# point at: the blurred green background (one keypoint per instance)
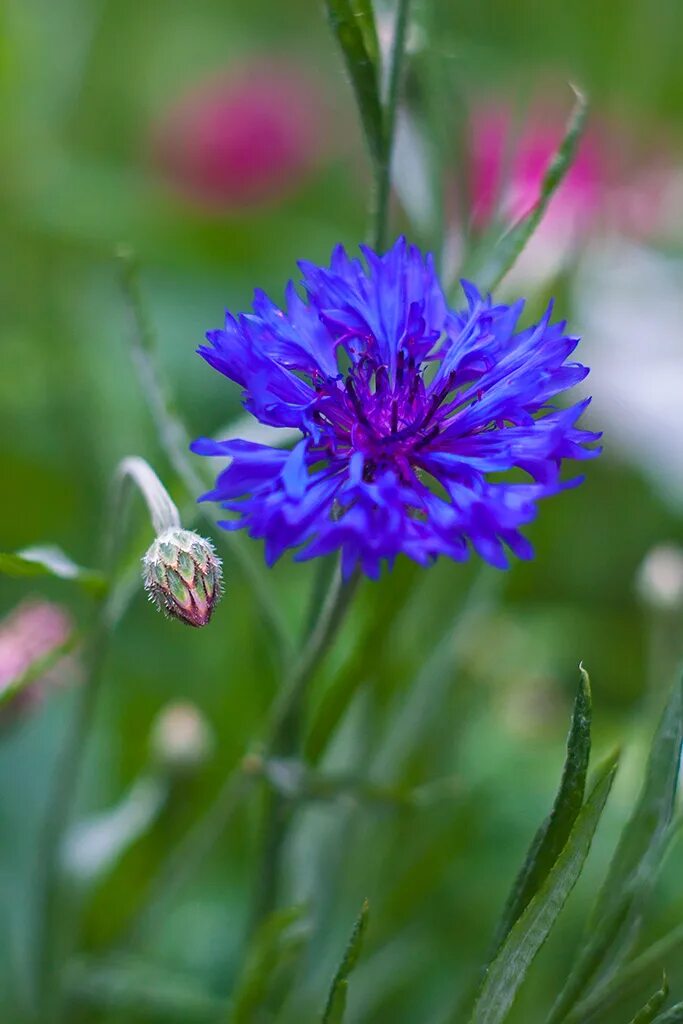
(84, 87)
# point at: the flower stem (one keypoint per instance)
(382, 166)
(175, 441)
(59, 810)
(286, 729)
(163, 513)
(189, 854)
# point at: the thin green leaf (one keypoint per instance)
(336, 1001)
(614, 922)
(508, 970)
(273, 941)
(510, 246)
(672, 1016)
(653, 1005)
(50, 561)
(349, 21)
(37, 669)
(365, 19)
(554, 832)
(631, 980)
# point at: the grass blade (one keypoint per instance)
(510, 246)
(508, 970)
(631, 980)
(336, 1001)
(353, 26)
(273, 942)
(653, 1005)
(635, 863)
(365, 19)
(554, 832)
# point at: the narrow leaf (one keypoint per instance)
(365, 19)
(631, 980)
(614, 922)
(50, 561)
(36, 670)
(554, 832)
(671, 1016)
(509, 969)
(653, 1005)
(94, 845)
(350, 21)
(510, 246)
(273, 941)
(336, 1001)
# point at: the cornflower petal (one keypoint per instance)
(408, 411)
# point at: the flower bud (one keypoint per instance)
(181, 738)
(182, 575)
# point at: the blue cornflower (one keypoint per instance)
(409, 412)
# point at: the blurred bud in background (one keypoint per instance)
(659, 581)
(181, 738)
(182, 575)
(241, 137)
(30, 635)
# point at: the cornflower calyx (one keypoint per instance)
(182, 575)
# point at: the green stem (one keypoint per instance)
(60, 806)
(286, 730)
(175, 442)
(187, 857)
(382, 165)
(163, 514)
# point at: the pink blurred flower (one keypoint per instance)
(612, 188)
(508, 168)
(30, 632)
(242, 137)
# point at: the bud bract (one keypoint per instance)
(182, 575)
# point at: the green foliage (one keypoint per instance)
(632, 979)
(672, 1016)
(653, 1005)
(336, 1001)
(275, 941)
(636, 862)
(500, 257)
(50, 561)
(554, 832)
(128, 985)
(509, 968)
(352, 22)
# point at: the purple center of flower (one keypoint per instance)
(388, 421)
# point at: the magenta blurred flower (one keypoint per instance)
(611, 188)
(242, 137)
(508, 167)
(32, 631)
